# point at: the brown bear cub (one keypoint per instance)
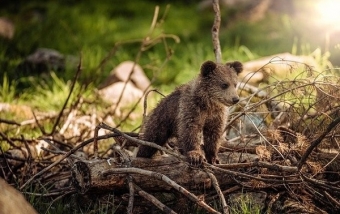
(195, 113)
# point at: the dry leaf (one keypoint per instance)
(263, 152)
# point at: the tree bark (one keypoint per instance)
(88, 175)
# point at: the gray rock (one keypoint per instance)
(112, 88)
(121, 74)
(48, 57)
(112, 93)
(41, 61)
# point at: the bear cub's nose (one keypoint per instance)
(235, 100)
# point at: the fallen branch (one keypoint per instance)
(141, 142)
(317, 141)
(9, 122)
(132, 194)
(272, 166)
(219, 192)
(153, 200)
(164, 178)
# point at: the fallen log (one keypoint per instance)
(89, 176)
(103, 175)
(168, 174)
(281, 65)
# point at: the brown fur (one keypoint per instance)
(195, 113)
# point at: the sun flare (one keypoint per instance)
(329, 11)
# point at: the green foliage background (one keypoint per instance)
(91, 28)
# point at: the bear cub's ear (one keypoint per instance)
(238, 67)
(207, 68)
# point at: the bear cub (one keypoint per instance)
(195, 114)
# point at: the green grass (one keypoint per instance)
(75, 203)
(244, 204)
(7, 90)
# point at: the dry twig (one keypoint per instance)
(74, 81)
(153, 200)
(164, 178)
(317, 141)
(140, 142)
(219, 192)
(215, 31)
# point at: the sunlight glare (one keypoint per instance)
(329, 12)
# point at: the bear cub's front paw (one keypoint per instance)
(213, 160)
(195, 158)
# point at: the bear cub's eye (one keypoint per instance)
(224, 85)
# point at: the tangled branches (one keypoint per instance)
(281, 140)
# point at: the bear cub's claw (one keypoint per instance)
(195, 158)
(213, 160)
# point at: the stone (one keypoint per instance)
(112, 93)
(7, 28)
(41, 61)
(122, 72)
(12, 201)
